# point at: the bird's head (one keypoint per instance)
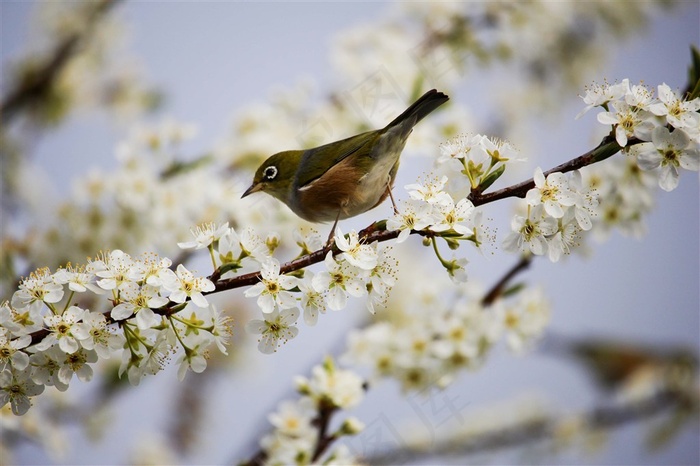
(275, 176)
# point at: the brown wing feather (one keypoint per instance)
(323, 198)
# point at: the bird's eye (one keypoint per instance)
(270, 173)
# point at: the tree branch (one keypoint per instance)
(534, 430)
(497, 290)
(607, 148)
(325, 413)
(35, 86)
(377, 231)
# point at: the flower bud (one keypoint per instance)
(351, 426)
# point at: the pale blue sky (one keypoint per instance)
(214, 57)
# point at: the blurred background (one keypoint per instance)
(254, 78)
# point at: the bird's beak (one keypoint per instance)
(254, 188)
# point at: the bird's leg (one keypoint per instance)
(331, 239)
(391, 196)
(389, 182)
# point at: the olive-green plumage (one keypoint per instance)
(344, 178)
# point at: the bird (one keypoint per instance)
(345, 178)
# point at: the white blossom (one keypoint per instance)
(598, 95)
(552, 192)
(454, 217)
(340, 279)
(412, 216)
(667, 152)
(205, 235)
(312, 302)
(186, 285)
(193, 359)
(343, 388)
(432, 191)
(39, 287)
(529, 233)
(16, 388)
(525, 321)
(358, 254)
(95, 335)
(679, 113)
(139, 300)
(113, 270)
(61, 328)
(277, 327)
(76, 363)
(628, 122)
(11, 355)
(272, 290)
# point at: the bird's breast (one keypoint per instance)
(346, 189)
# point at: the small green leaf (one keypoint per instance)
(491, 178)
(452, 243)
(694, 73)
(663, 433)
(178, 168)
(513, 290)
(228, 267)
(379, 225)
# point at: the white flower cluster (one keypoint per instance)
(669, 124)
(46, 338)
(423, 349)
(104, 74)
(625, 194)
(431, 207)
(558, 209)
(480, 158)
(147, 201)
(295, 437)
(360, 271)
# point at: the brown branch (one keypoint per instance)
(35, 86)
(323, 441)
(325, 413)
(368, 235)
(497, 290)
(535, 430)
(377, 231)
(607, 148)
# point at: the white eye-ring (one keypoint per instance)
(270, 173)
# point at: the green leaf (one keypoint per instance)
(513, 290)
(228, 267)
(379, 225)
(179, 168)
(662, 434)
(491, 178)
(694, 73)
(451, 243)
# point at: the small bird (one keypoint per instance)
(345, 178)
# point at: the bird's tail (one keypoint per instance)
(421, 107)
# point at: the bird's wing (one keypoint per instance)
(315, 162)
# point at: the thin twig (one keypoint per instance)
(377, 231)
(534, 430)
(324, 441)
(497, 290)
(325, 412)
(607, 148)
(35, 86)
